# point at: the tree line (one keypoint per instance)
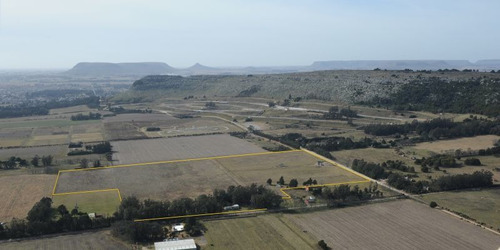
(438, 128)
(406, 183)
(45, 219)
(37, 161)
(100, 148)
(82, 117)
(32, 108)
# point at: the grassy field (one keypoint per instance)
(104, 203)
(85, 240)
(393, 225)
(482, 205)
(19, 193)
(473, 143)
(377, 155)
(262, 232)
(180, 148)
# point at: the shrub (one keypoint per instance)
(433, 204)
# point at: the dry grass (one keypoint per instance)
(482, 205)
(180, 148)
(103, 203)
(74, 109)
(164, 181)
(81, 240)
(369, 154)
(262, 232)
(473, 143)
(394, 225)
(299, 165)
(19, 193)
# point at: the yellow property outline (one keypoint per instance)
(286, 195)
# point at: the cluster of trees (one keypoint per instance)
(437, 128)
(475, 95)
(13, 162)
(490, 151)
(122, 110)
(248, 92)
(437, 161)
(344, 194)
(82, 117)
(334, 113)
(37, 161)
(45, 219)
(369, 169)
(472, 162)
(398, 165)
(253, 196)
(100, 148)
(151, 129)
(323, 146)
(43, 108)
(210, 105)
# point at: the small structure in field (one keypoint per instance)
(310, 199)
(320, 164)
(232, 208)
(179, 227)
(188, 244)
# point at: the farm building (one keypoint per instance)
(188, 244)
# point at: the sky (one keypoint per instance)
(46, 34)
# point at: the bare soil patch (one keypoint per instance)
(394, 225)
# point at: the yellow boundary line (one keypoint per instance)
(286, 195)
(200, 215)
(182, 160)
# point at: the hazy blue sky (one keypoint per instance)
(60, 33)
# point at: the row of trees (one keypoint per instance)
(334, 113)
(45, 219)
(253, 196)
(100, 148)
(343, 194)
(437, 161)
(477, 179)
(37, 161)
(437, 128)
(82, 117)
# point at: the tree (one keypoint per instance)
(271, 104)
(322, 244)
(293, 183)
(281, 181)
(47, 160)
(472, 162)
(97, 163)
(269, 181)
(35, 161)
(193, 227)
(41, 211)
(210, 105)
(433, 204)
(84, 163)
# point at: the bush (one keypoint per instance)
(472, 162)
(433, 204)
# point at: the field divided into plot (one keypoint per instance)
(136, 151)
(192, 177)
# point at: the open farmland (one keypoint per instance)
(394, 225)
(262, 232)
(194, 177)
(473, 143)
(163, 181)
(180, 148)
(103, 203)
(481, 205)
(298, 165)
(19, 193)
(82, 240)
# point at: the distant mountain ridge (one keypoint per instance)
(159, 68)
